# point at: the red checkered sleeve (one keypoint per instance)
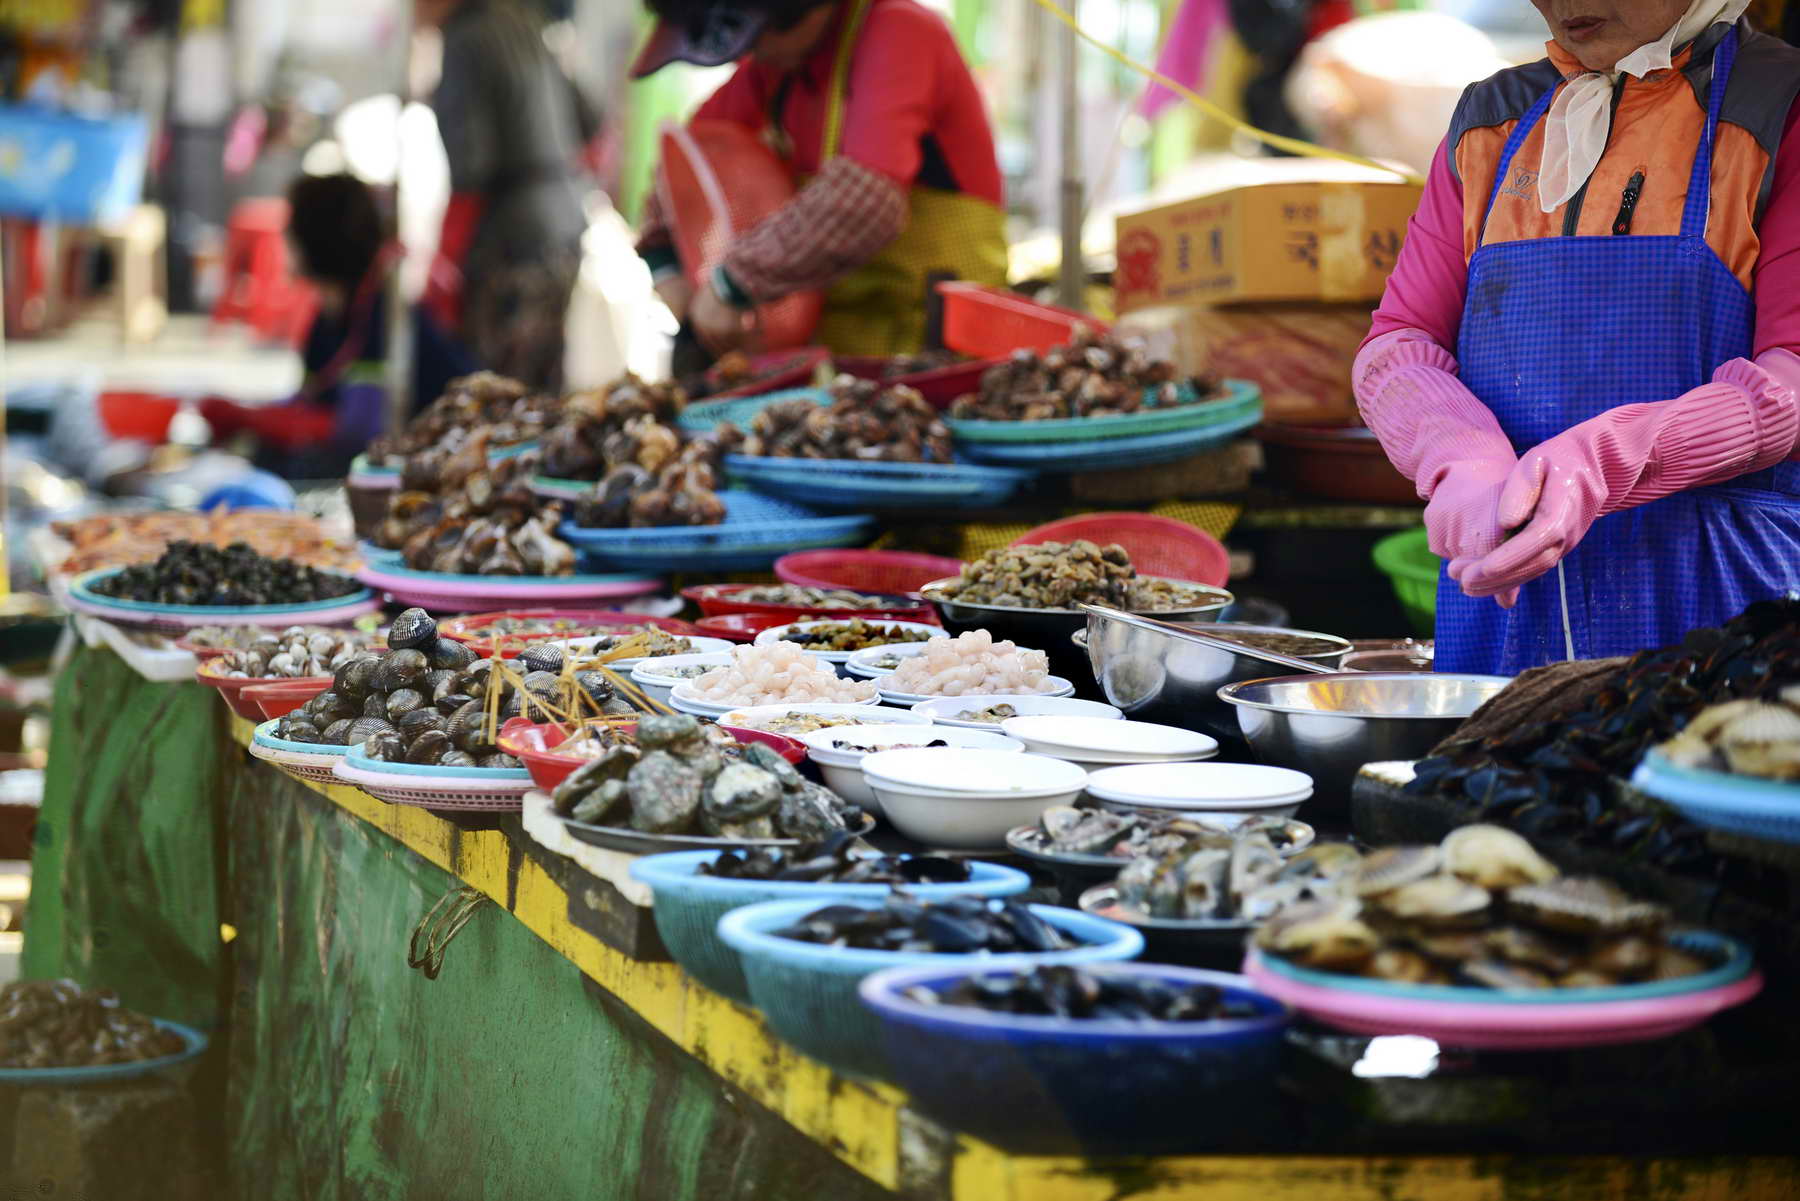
(839, 221)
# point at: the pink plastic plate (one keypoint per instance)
(436, 792)
(1499, 1026)
(460, 593)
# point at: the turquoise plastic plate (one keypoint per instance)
(707, 415)
(357, 759)
(1746, 805)
(82, 588)
(195, 1045)
(265, 736)
(1189, 412)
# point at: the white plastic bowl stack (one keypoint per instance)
(1202, 788)
(842, 768)
(652, 676)
(1097, 742)
(967, 798)
(948, 710)
(839, 659)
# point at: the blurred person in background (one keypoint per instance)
(338, 236)
(514, 127)
(874, 109)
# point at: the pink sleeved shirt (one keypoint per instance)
(1426, 290)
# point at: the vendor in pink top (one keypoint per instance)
(1588, 356)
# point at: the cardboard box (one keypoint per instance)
(1298, 352)
(1266, 229)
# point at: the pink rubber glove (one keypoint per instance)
(1438, 435)
(1743, 421)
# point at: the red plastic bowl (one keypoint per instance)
(990, 322)
(715, 600)
(143, 416)
(534, 744)
(739, 627)
(941, 385)
(282, 697)
(200, 652)
(896, 572)
(461, 629)
(233, 690)
(1159, 546)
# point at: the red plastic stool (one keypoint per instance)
(260, 289)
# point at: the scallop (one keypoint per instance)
(1392, 867)
(1494, 857)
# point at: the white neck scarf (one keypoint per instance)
(1580, 120)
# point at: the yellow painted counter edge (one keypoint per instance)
(860, 1123)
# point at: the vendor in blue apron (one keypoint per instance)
(1588, 355)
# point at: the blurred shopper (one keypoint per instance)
(337, 231)
(513, 127)
(871, 104)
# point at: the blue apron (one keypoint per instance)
(1558, 330)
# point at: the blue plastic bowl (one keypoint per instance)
(689, 906)
(1047, 1086)
(807, 991)
(194, 1044)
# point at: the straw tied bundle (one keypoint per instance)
(572, 705)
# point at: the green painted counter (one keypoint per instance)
(544, 1061)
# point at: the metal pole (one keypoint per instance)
(1072, 279)
(397, 372)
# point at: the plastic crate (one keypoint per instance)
(1406, 559)
(892, 572)
(1159, 546)
(990, 323)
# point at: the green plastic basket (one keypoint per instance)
(1406, 559)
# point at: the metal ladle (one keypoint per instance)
(1194, 635)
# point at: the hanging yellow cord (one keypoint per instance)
(1291, 145)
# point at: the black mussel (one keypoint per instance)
(958, 925)
(387, 748)
(455, 758)
(399, 669)
(402, 702)
(542, 657)
(355, 677)
(413, 724)
(448, 655)
(365, 728)
(412, 630)
(932, 869)
(338, 731)
(450, 702)
(1034, 933)
(429, 747)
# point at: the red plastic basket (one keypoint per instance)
(988, 322)
(534, 745)
(1159, 546)
(740, 627)
(941, 385)
(894, 572)
(143, 416)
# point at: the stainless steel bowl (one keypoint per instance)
(1328, 726)
(1155, 675)
(1049, 629)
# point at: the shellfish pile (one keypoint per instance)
(1209, 875)
(1747, 738)
(676, 779)
(956, 926)
(430, 701)
(1481, 909)
(56, 1024)
(831, 861)
(292, 653)
(865, 420)
(485, 521)
(625, 422)
(1064, 991)
(1095, 375)
(505, 409)
(1069, 830)
(853, 635)
(1551, 777)
(1060, 575)
(193, 573)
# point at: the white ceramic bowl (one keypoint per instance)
(651, 674)
(1103, 740)
(702, 646)
(779, 633)
(842, 769)
(967, 798)
(948, 710)
(752, 717)
(1202, 788)
(1061, 688)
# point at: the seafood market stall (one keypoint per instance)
(532, 841)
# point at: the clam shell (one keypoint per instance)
(429, 747)
(412, 630)
(1436, 899)
(447, 654)
(399, 669)
(1584, 905)
(1494, 857)
(539, 657)
(365, 728)
(1392, 867)
(411, 725)
(402, 702)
